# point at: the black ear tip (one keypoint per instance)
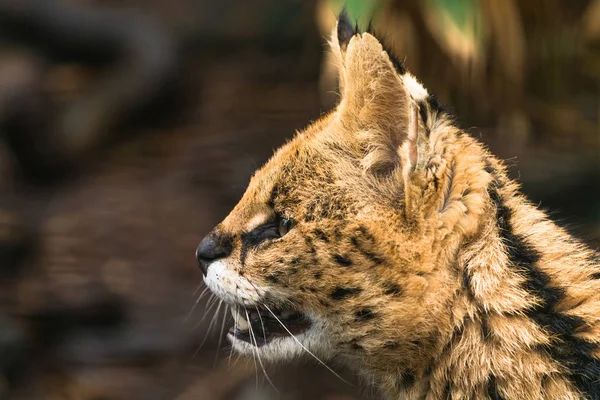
(345, 28)
(370, 28)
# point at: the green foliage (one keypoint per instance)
(361, 11)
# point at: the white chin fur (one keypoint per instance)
(285, 348)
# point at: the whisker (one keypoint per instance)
(204, 292)
(225, 310)
(261, 323)
(206, 312)
(198, 288)
(253, 336)
(253, 350)
(212, 321)
(235, 321)
(235, 362)
(196, 303)
(305, 349)
(215, 317)
(211, 300)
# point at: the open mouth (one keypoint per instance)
(260, 326)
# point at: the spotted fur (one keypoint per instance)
(418, 260)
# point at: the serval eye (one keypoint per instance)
(284, 226)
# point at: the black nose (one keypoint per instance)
(211, 248)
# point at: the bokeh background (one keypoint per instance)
(129, 128)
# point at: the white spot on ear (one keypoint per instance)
(224, 280)
(257, 220)
(416, 90)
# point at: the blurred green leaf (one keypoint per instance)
(461, 12)
(361, 11)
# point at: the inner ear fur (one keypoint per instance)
(375, 105)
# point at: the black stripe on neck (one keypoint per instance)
(570, 351)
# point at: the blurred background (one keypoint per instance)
(129, 128)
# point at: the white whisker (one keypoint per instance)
(305, 349)
(196, 303)
(207, 310)
(225, 310)
(234, 362)
(211, 300)
(261, 323)
(198, 288)
(215, 317)
(235, 322)
(253, 336)
(212, 321)
(253, 350)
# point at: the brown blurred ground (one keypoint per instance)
(98, 285)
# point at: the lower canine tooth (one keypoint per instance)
(243, 324)
(240, 321)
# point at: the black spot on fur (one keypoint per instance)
(309, 244)
(318, 275)
(276, 192)
(572, 352)
(392, 289)
(359, 245)
(319, 234)
(447, 393)
(428, 370)
(436, 180)
(596, 275)
(369, 255)
(433, 102)
(489, 168)
(435, 106)
(272, 278)
(467, 284)
(486, 334)
(366, 314)
(408, 378)
(492, 389)
(342, 260)
(423, 112)
(355, 345)
(341, 293)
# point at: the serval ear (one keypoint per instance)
(378, 106)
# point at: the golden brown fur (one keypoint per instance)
(428, 271)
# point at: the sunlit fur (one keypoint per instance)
(420, 262)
